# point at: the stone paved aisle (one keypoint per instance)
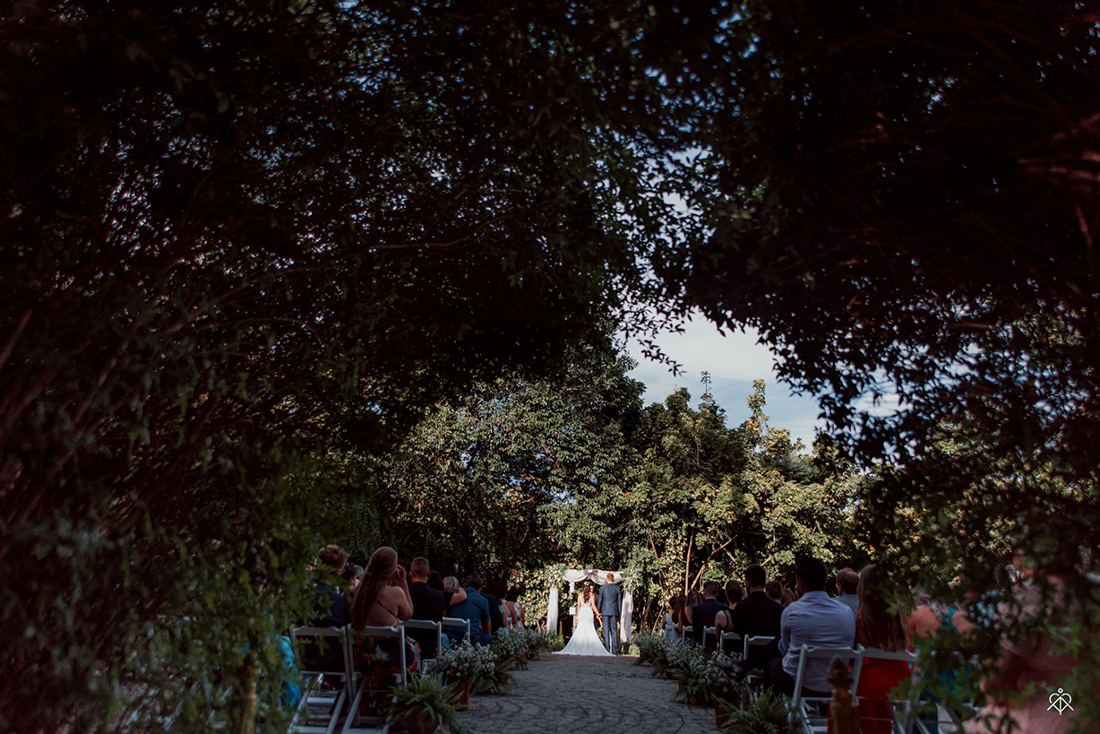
(580, 695)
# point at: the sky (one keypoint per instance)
(733, 361)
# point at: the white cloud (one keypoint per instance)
(733, 361)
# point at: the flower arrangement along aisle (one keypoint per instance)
(424, 706)
(472, 668)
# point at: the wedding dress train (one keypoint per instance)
(585, 641)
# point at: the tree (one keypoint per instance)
(904, 201)
(237, 232)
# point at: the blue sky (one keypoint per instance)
(733, 361)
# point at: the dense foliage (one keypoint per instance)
(233, 232)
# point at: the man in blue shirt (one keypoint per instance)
(475, 610)
(814, 620)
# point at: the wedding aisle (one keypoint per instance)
(582, 694)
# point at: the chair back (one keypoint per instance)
(427, 624)
(754, 643)
(708, 632)
(909, 705)
(731, 641)
(853, 657)
(319, 710)
(457, 622)
(397, 633)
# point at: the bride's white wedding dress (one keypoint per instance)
(585, 641)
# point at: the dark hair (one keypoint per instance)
(756, 576)
(333, 555)
(774, 589)
(847, 580)
(734, 591)
(435, 581)
(812, 572)
(351, 572)
(876, 626)
(721, 598)
(474, 581)
(512, 595)
(710, 588)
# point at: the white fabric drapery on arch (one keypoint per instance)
(575, 576)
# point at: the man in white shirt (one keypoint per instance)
(814, 620)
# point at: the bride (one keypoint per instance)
(585, 641)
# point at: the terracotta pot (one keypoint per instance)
(461, 698)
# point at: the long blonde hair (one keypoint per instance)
(379, 571)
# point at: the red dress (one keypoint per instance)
(876, 681)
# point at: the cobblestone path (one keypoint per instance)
(581, 695)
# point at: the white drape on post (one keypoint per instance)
(552, 612)
(624, 623)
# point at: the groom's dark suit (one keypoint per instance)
(610, 605)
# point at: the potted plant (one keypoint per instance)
(766, 712)
(423, 706)
(459, 666)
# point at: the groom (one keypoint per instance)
(610, 605)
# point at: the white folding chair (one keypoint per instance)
(375, 724)
(453, 622)
(708, 632)
(426, 624)
(806, 715)
(907, 708)
(731, 641)
(320, 708)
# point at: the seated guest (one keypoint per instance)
(382, 600)
(734, 593)
(673, 616)
(814, 620)
(758, 614)
(330, 609)
(848, 581)
(519, 617)
(702, 615)
(496, 618)
(774, 590)
(789, 597)
(694, 599)
(352, 575)
(427, 604)
(878, 627)
(475, 610)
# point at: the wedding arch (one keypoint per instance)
(576, 576)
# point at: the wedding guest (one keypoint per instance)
(789, 597)
(758, 614)
(496, 619)
(330, 605)
(382, 600)
(848, 581)
(929, 622)
(734, 593)
(673, 625)
(475, 610)
(519, 617)
(703, 614)
(774, 590)
(330, 608)
(427, 604)
(878, 627)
